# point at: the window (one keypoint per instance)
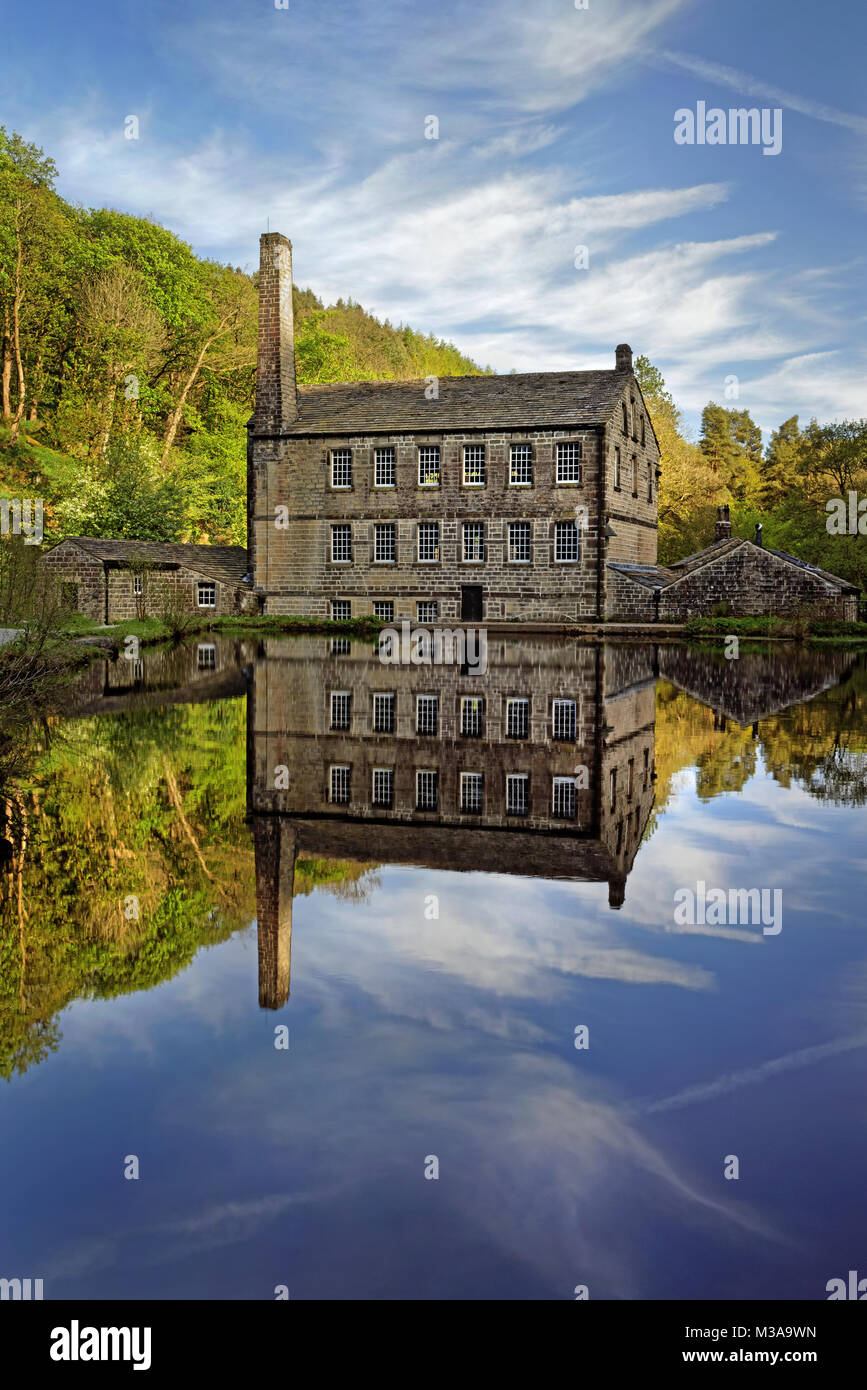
(472, 709)
(383, 786)
(428, 611)
(517, 794)
(569, 463)
(471, 791)
(427, 714)
(650, 482)
(625, 418)
(207, 594)
(634, 475)
(340, 785)
(137, 585)
(521, 465)
(340, 703)
(383, 468)
(384, 610)
(429, 465)
(646, 773)
(565, 719)
(383, 713)
(206, 656)
(517, 718)
(612, 786)
(630, 778)
(428, 541)
(566, 542)
(643, 430)
(340, 646)
(618, 477)
(474, 541)
(474, 465)
(564, 798)
(341, 610)
(341, 468)
(341, 544)
(632, 418)
(426, 790)
(519, 542)
(138, 670)
(384, 543)
(68, 596)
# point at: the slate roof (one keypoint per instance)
(528, 400)
(659, 576)
(226, 563)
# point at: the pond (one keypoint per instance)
(337, 980)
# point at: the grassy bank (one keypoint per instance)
(836, 633)
(154, 630)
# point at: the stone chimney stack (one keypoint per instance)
(623, 358)
(276, 392)
(758, 533)
(723, 528)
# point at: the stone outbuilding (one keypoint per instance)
(746, 576)
(115, 580)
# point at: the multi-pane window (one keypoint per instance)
(429, 465)
(383, 468)
(472, 710)
(340, 706)
(426, 790)
(383, 786)
(384, 610)
(474, 541)
(206, 656)
(474, 465)
(618, 476)
(569, 462)
(565, 719)
(517, 794)
(341, 468)
(428, 541)
(137, 585)
(519, 542)
(564, 797)
(383, 713)
(341, 610)
(634, 475)
(341, 544)
(340, 785)
(471, 791)
(207, 594)
(427, 714)
(521, 465)
(517, 718)
(427, 611)
(566, 541)
(385, 543)
(340, 646)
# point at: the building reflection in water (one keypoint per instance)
(543, 767)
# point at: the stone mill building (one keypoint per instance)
(474, 498)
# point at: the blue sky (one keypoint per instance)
(556, 130)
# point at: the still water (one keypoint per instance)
(288, 932)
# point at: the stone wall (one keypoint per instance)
(752, 581)
(164, 588)
(71, 565)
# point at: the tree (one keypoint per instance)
(780, 472)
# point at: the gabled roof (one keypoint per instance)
(226, 563)
(660, 576)
(528, 400)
